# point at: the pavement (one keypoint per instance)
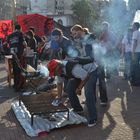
(120, 120)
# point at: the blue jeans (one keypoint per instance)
(90, 94)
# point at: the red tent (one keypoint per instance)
(43, 25)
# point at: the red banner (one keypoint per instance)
(5, 28)
(37, 21)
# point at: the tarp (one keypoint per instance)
(43, 25)
(5, 28)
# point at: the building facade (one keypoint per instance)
(59, 10)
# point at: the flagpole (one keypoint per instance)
(14, 12)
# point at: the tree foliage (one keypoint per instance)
(83, 12)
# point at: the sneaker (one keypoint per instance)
(103, 103)
(56, 102)
(92, 123)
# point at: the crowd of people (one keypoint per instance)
(78, 62)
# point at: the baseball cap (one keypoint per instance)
(52, 64)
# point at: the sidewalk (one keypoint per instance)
(118, 121)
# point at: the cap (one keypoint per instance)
(52, 64)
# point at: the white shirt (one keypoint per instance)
(128, 46)
(136, 36)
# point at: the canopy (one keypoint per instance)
(43, 25)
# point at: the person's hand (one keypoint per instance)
(78, 91)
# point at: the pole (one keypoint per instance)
(14, 12)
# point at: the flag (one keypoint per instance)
(34, 20)
(5, 28)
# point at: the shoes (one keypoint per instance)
(92, 123)
(103, 103)
(56, 102)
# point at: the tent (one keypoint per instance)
(43, 25)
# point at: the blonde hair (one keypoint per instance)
(77, 27)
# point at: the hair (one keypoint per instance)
(30, 33)
(77, 27)
(86, 30)
(137, 25)
(105, 23)
(32, 29)
(17, 27)
(57, 31)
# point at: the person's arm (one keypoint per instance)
(122, 50)
(81, 85)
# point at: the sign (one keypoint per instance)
(5, 28)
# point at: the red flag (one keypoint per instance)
(34, 20)
(5, 28)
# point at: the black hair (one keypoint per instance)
(57, 31)
(137, 25)
(17, 27)
(32, 29)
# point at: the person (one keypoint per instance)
(107, 40)
(37, 37)
(126, 52)
(48, 27)
(79, 75)
(17, 46)
(1, 49)
(32, 44)
(87, 40)
(61, 48)
(135, 78)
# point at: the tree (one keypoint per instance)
(83, 12)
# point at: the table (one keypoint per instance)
(9, 68)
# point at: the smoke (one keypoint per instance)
(118, 15)
(72, 51)
(101, 56)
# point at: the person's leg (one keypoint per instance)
(102, 85)
(70, 89)
(90, 94)
(59, 89)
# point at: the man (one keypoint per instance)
(17, 46)
(79, 76)
(87, 41)
(61, 48)
(107, 40)
(135, 79)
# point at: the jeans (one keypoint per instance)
(127, 59)
(102, 84)
(135, 69)
(90, 94)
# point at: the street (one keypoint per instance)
(118, 121)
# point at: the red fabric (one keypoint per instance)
(35, 20)
(5, 28)
(52, 66)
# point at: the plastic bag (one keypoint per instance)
(43, 70)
